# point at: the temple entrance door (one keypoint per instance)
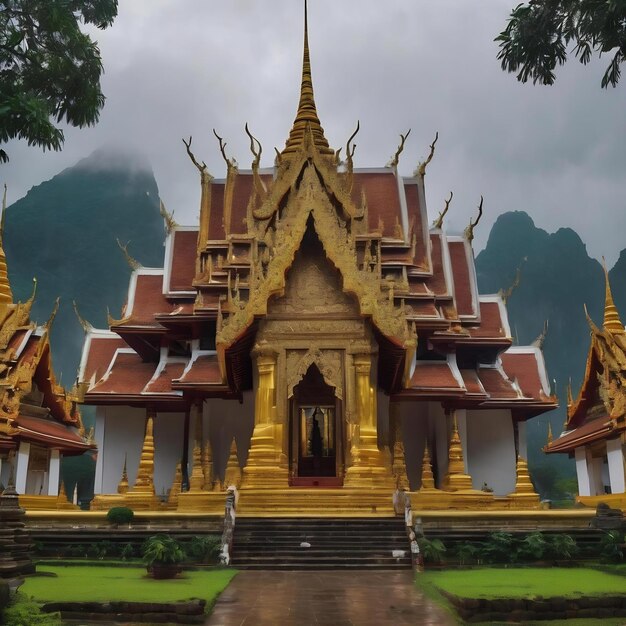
(315, 432)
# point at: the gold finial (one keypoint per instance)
(421, 168)
(541, 338)
(550, 437)
(133, 263)
(505, 294)
(81, 320)
(612, 321)
(438, 223)
(6, 295)
(396, 157)
(469, 231)
(570, 397)
(168, 218)
(523, 482)
(53, 314)
(255, 147)
(306, 115)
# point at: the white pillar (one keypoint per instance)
(582, 472)
(54, 472)
(522, 444)
(595, 474)
(99, 436)
(615, 459)
(461, 422)
(21, 471)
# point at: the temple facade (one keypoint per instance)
(595, 430)
(39, 420)
(315, 341)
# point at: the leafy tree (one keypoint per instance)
(49, 69)
(539, 34)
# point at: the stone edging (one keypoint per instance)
(191, 612)
(524, 610)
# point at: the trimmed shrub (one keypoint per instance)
(120, 515)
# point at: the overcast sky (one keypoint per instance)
(174, 69)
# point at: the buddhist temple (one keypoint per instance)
(39, 421)
(595, 430)
(317, 343)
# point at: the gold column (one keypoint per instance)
(398, 468)
(524, 495)
(142, 496)
(263, 469)
(456, 478)
(368, 465)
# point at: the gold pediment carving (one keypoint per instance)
(328, 362)
(311, 199)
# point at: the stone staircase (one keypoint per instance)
(377, 543)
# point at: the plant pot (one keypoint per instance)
(161, 571)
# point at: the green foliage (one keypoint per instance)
(127, 551)
(532, 548)
(204, 549)
(499, 548)
(24, 611)
(120, 515)
(49, 69)
(562, 547)
(612, 546)
(433, 550)
(162, 549)
(467, 552)
(539, 33)
(77, 550)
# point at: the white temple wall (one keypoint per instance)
(582, 471)
(223, 420)
(169, 429)
(414, 423)
(615, 460)
(5, 472)
(124, 429)
(490, 451)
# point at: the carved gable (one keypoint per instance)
(312, 286)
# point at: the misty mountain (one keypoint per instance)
(63, 232)
(557, 279)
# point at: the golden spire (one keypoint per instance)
(550, 436)
(232, 475)
(306, 117)
(6, 295)
(122, 486)
(457, 478)
(428, 482)
(145, 473)
(612, 321)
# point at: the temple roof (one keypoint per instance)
(599, 411)
(33, 407)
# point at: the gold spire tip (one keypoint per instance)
(612, 321)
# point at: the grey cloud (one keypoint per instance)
(175, 69)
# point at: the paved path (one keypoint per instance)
(346, 598)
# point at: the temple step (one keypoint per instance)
(270, 543)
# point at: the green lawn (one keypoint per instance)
(524, 582)
(104, 584)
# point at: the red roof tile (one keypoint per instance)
(593, 430)
(496, 385)
(216, 219)
(462, 278)
(525, 369)
(472, 382)
(433, 375)
(148, 300)
(163, 382)
(101, 351)
(383, 199)
(204, 370)
(437, 283)
(16, 340)
(491, 325)
(415, 216)
(50, 433)
(183, 260)
(129, 375)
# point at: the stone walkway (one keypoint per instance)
(347, 598)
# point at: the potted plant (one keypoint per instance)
(163, 556)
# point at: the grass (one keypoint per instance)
(130, 584)
(525, 582)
